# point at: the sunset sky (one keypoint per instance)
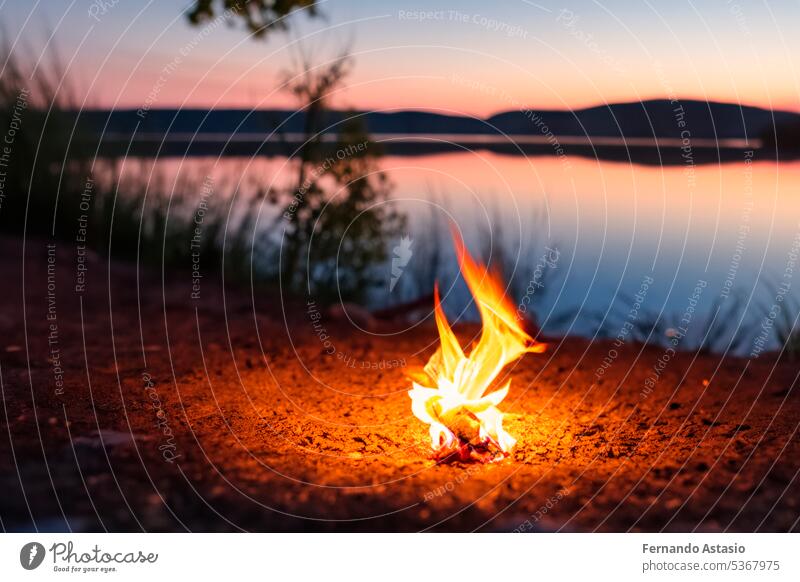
(468, 57)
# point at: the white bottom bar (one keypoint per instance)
(349, 557)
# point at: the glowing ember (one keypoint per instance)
(465, 422)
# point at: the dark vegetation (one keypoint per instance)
(259, 16)
(334, 220)
(324, 233)
(724, 327)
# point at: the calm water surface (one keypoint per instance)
(728, 229)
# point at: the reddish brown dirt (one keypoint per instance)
(271, 433)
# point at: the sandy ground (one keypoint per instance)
(206, 414)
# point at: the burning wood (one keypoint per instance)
(450, 396)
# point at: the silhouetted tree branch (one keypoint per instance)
(260, 16)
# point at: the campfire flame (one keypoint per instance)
(450, 396)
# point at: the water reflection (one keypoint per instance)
(729, 227)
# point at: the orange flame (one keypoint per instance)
(462, 419)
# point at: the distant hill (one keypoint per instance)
(648, 132)
(647, 119)
(659, 118)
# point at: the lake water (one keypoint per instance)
(677, 240)
(727, 230)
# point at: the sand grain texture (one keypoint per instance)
(272, 433)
